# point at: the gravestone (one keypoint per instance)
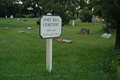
(6, 28)
(21, 31)
(5, 16)
(11, 17)
(105, 35)
(85, 31)
(102, 20)
(94, 19)
(73, 23)
(29, 28)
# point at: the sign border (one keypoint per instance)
(40, 27)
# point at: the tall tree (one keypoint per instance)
(9, 7)
(110, 11)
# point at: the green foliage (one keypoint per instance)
(73, 17)
(46, 5)
(72, 10)
(8, 8)
(110, 13)
(111, 62)
(86, 15)
(59, 10)
(106, 27)
(29, 16)
(58, 7)
(66, 18)
(38, 22)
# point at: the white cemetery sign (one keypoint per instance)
(50, 26)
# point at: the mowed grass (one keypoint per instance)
(23, 55)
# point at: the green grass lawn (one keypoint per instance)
(23, 55)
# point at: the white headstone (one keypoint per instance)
(29, 28)
(21, 31)
(6, 28)
(73, 23)
(102, 20)
(11, 17)
(105, 35)
(5, 16)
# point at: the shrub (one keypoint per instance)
(111, 62)
(86, 15)
(30, 16)
(38, 22)
(18, 15)
(65, 19)
(73, 17)
(60, 10)
(106, 27)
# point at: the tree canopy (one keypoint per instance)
(9, 7)
(110, 11)
(65, 8)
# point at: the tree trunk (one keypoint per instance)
(117, 42)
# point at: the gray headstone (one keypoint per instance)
(29, 28)
(94, 20)
(85, 31)
(105, 35)
(5, 16)
(11, 17)
(6, 28)
(21, 31)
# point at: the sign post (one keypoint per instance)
(49, 55)
(50, 27)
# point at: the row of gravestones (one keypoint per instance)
(29, 28)
(94, 21)
(11, 17)
(87, 31)
(83, 30)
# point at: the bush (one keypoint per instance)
(106, 28)
(60, 10)
(18, 15)
(111, 62)
(38, 22)
(30, 16)
(25, 15)
(86, 15)
(65, 19)
(73, 17)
